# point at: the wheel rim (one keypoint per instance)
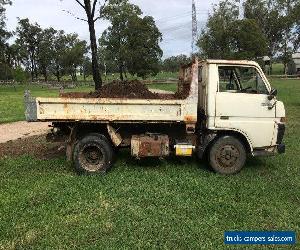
(92, 158)
(228, 156)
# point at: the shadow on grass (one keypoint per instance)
(154, 162)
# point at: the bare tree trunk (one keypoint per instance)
(32, 70)
(121, 72)
(45, 74)
(58, 75)
(95, 63)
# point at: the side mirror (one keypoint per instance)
(272, 94)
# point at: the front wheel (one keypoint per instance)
(227, 155)
(93, 154)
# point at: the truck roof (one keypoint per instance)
(233, 62)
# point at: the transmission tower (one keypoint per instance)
(194, 28)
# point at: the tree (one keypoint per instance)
(90, 8)
(248, 41)
(143, 53)
(4, 36)
(45, 50)
(74, 54)
(132, 41)
(172, 64)
(107, 59)
(287, 10)
(228, 36)
(28, 38)
(68, 54)
(296, 34)
(59, 50)
(87, 67)
(114, 39)
(277, 21)
(216, 40)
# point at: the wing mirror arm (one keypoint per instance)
(272, 94)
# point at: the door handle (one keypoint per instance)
(224, 117)
(269, 105)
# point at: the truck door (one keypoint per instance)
(242, 104)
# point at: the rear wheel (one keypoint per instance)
(227, 155)
(93, 154)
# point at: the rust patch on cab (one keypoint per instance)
(190, 119)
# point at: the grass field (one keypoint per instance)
(173, 203)
(278, 69)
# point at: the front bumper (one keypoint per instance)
(281, 148)
(273, 150)
(269, 151)
(280, 133)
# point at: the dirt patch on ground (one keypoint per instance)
(17, 130)
(128, 90)
(36, 146)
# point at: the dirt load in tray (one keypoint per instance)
(127, 90)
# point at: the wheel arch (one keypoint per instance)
(79, 130)
(239, 135)
(210, 138)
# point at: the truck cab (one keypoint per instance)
(239, 102)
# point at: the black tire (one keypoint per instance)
(93, 154)
(227, 155)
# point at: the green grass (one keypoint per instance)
(168, 87)
(12, 101)
(277, 69)
(171, 204)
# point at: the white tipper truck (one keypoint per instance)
(231, 112)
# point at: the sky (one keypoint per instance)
(173, 17)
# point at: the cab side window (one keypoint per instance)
(241, 80)
(227, 80)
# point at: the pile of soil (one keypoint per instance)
(183, 91)
(129, 90)
(36, 146)
(117, 89)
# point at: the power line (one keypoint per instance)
(175, 27)
(186, 35)
(184, 14)
(186, 32)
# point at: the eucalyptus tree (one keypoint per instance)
(28, 39)
(131, 41)
(45, 54)
(92, 11)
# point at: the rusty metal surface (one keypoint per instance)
(150, 145)
(114, 136)
(30, 107)
(124, 110)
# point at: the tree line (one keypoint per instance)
(262, 28)
(129, 45)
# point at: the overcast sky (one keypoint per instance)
(173, 18)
